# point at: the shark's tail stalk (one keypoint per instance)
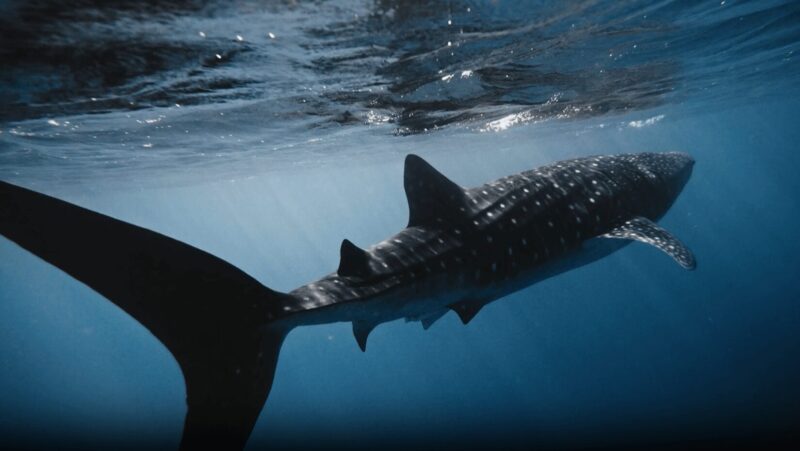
(218, 322)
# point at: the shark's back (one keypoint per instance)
(481, 242)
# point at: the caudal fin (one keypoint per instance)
(216, 320)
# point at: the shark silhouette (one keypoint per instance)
(462, 249)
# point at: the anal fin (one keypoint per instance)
(466, 310)
(646, 231)
(361, 330)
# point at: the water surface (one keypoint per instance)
(266, 132)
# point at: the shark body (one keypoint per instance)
(462, 249)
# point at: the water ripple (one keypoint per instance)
(233, 78)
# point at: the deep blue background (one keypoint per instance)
(629, 350)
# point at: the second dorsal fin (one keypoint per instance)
(430, 194)
(353, 261)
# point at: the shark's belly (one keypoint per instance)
(590, 251)
(420, 299)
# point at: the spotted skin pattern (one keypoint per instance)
(464, 248)
(644, 230)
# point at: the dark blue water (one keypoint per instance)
(266, 132)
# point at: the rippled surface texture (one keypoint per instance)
(143, 86)
(265, 132)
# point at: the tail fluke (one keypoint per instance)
(224, 401)
(214, 318)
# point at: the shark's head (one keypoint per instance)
(665, 174)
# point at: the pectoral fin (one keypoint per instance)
(646, 231)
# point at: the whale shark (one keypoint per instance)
(462, 249)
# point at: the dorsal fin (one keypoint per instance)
(430, 194)
(361, 330)
(466, 310)
(353, 261)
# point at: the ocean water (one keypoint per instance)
(266, 132)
